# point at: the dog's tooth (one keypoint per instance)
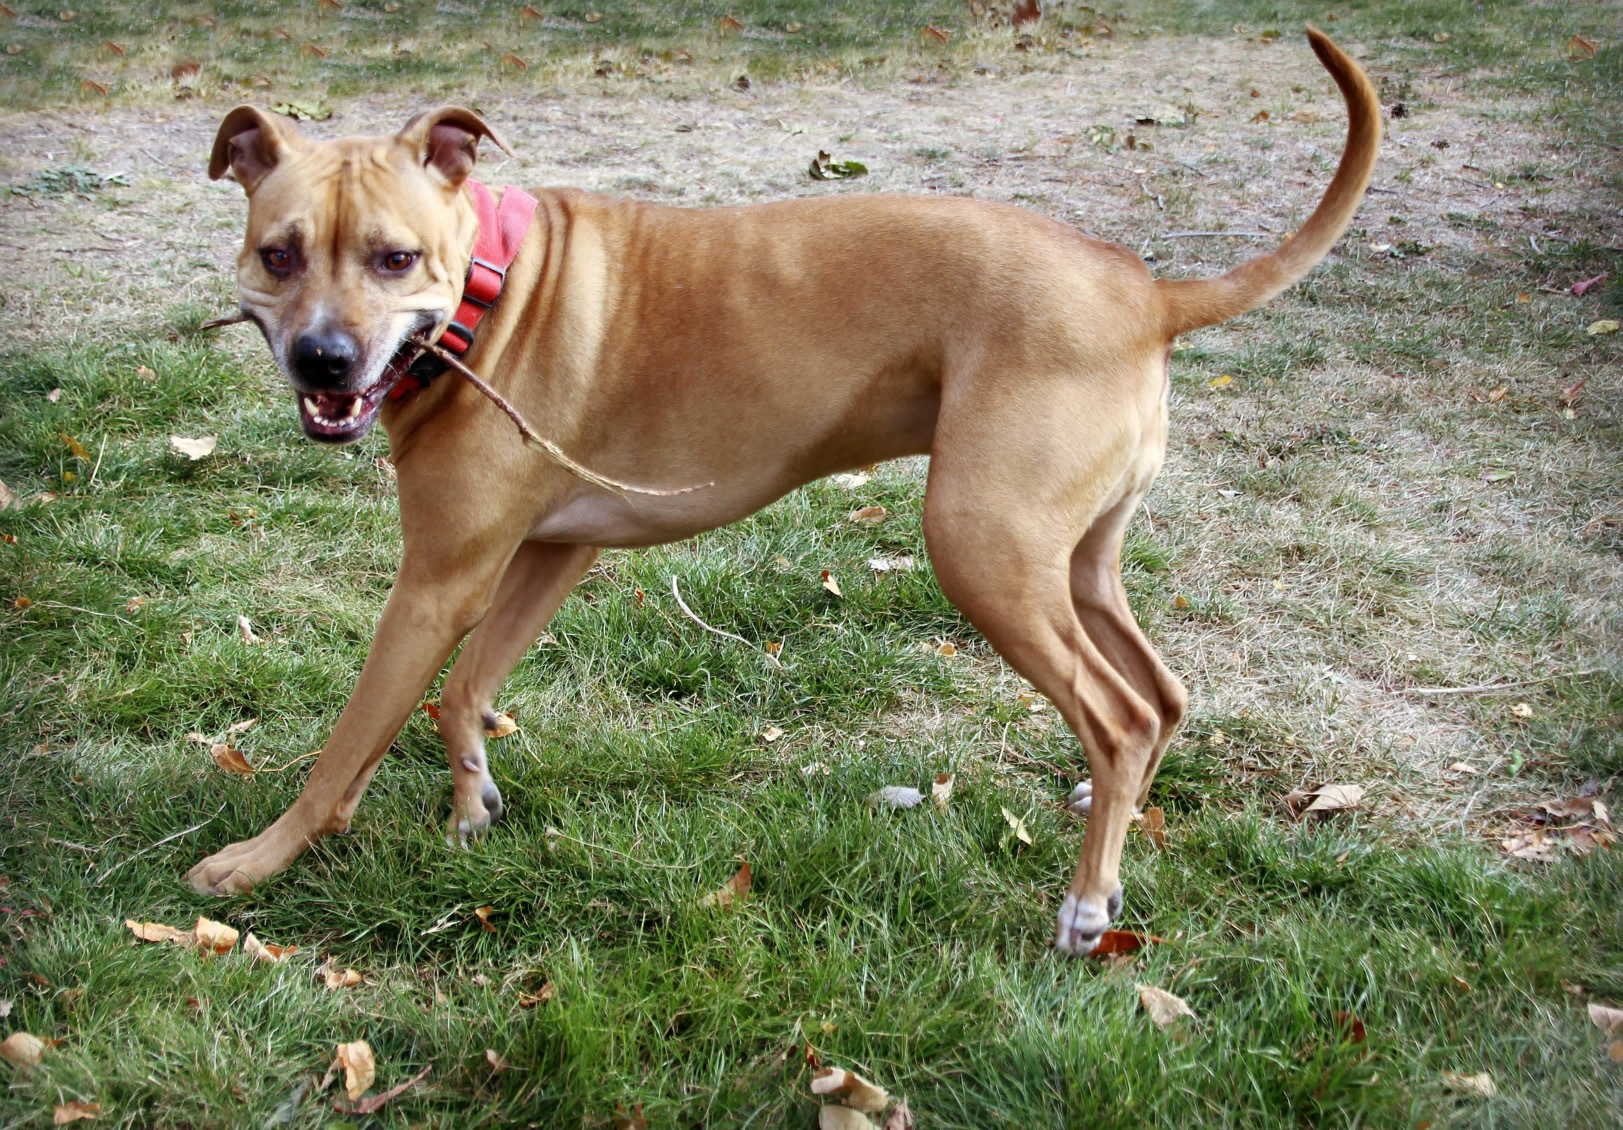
(310, 405)
(355, 407)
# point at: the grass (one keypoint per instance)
(1323, 541)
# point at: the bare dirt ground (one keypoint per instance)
(1309, 640)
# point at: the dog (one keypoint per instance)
(1029, 361)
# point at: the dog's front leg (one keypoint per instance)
(433, 605)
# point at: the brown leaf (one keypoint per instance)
(941, 791)
(7, 499)
(1155, 827)
(1123, 941)
(729, 25)
(360, 1067)
(336, 979)
(23, 1049)
(1528, 845)
(194, 449)
(1478, 1086)
(245, 628)
(851, 1088)
(831, 583)
(934, 33)
(1163, 1008)
(116, 48)
(1569, 395)
(158, 932)
(1608, 1019)
(91, 86)
(1580, 48)
(1025, 12)
(1350, 1027)
(1260, 116)
(432, 709)
(22, 602)
(267, 952)
(733, 890)
(74, 1111)
(134, 603)
(833, 1116)
(483, 913)
(213, 937)
(901, 1118)
(541, 996)
(1616, 1051)
(505, 727)
(1583, 286)
(771, 734)
(529, 12)
(511, 60)
(184, 70)
(230, 758)
(75, 446)
(498, 1062)
(869, 515)
(312, 50)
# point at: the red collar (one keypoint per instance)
(502, 229)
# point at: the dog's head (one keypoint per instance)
(353, 246)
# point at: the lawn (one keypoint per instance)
(1386, 552)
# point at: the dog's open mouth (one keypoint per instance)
(340, 417)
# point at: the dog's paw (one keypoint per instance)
(1082, 921)
(475, 817)
(233, 870)
(1080, 802)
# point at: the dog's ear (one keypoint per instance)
(446, 141)
(249, 143)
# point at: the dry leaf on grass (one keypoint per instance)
(245, 628)
(771, 734)
(1325, 801)
(23, 1048)
(1154, 824)
(498, 1062)
(194, 449)
(541, 996)
(1604, 326)
(831, 583)
(483, 913)
(345, 978)
(850, 1088)
(213, 937)
(74, 1111)
(733, 890)
(229, 758)
(1606, 1018)
(7, 499)
(268, 952)
(941, 791)
(505, 727)
(869, 515)
(1164, 1008)
(158, 932)
(1478, 1086)
(900, 1118)
(629, 1119)
(360, 1067)
(896, 796)
(1017, 827)
(1123, 941)
(1351, 1027)
(851, 480)
(832, 1116)
(1529, 845)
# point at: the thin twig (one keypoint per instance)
(553, 450)
(290, 764)
(1226, 234)
(218, 323)
(1490, 688)
(677, 593)
(378, 1102)
(160, 843)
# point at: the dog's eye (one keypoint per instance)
(277, 260)
(398, 261)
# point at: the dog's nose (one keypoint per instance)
(324, 357)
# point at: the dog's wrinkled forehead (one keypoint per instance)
(359, 194)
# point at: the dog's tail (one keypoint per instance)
(1188, 304)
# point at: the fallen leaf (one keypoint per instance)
(1441, 37)
(512, 60)
(1260, 116)
(831, 583)
(529, 12)
(432, 709)
(1580, 48)
(498, 1062)
(1018, 826)
(1163, 1008)
(1220, 382)
(1616, 1051)
(245, 628)
(193, 449)
(267, 952)
(158, 932)
(1180, 602)
(771, 734)
(74, 1111)
(824, 167)
(1155, 827)
(941, 791)
(1583, 286)
(22, 602)
(1026, 12)
(91, 86)
(336, 979)
(630, 1119)
(229, 758)
(901, 1117)
(213, 937)
(733, 890)
(312, 50)
(793, 26)
(851, 1088)
(851, 480)
(1461, 983)
(1478, 1086)
(378, 1102)
(5, 1009)
(1351, 1027)
(1522, 709)
(1463, 767)
(1528, 845)
(1498, 476)
(1606, 1018)
(1122, 941)
(889, 564)
(360, 1067)
(505, 727)
(483, 913)
(541, 996)
(730, 25)
(7, 499)
(931, 32)
(869, 515)
(1569, 394)
(1604, 326)
(896, 796)
(134, 603)
(23, 1049)
(833, 1116)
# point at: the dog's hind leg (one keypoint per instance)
(1012, 496)
(538, 579)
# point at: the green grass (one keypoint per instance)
(1324, 521)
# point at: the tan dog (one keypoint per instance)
(1029, 362)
